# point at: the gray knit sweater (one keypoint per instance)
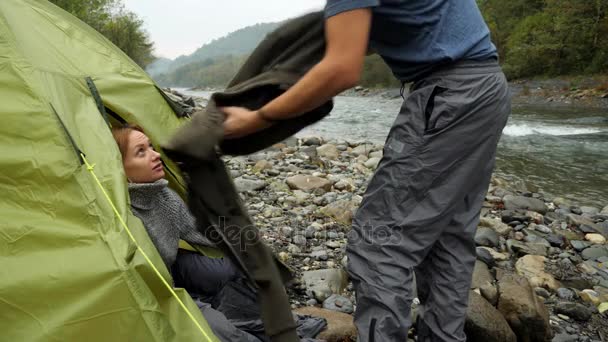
(165, 217)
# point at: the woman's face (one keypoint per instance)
(142, 163)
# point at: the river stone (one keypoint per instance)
(543, 229)
(484, 281)
(520, 248)
(605, 210)
(308, 183)
(556, 240)
(486, 237)
(497, 225)
(591, 297)
(362, 150)
(596, 239)
(338, 303)
(574, 310)
(341, 211)
(328, 151)
(372, 163)
(484, 323)
(261, 166)
(243, 184)
(579, 246)
(528, 203)
(595, 252)
(590, 210)
(279, 186)
(311, 141)
(320, 284)
(521, 307)
(376, 154)
(533, 268)
(565, 294)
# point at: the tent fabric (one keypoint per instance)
(68, 270)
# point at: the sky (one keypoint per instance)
(179, 27)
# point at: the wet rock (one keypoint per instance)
(574, 310)
(527, 203)
(605, 210)
(486, 237)
(533, 268)
(338, 303)
(308, 183)
(340, 326)
(525, 313)
(484, 323)
(320, 284)
(498, 226)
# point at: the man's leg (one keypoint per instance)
(437, 164)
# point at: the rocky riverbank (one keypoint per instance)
(588, 92)
(542, 268)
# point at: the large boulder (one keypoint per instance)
(484, 323)
(527, 203)
(533, 268)
(523, 310)
(340, 326)
(308, 183)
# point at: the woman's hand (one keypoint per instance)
(241, 121)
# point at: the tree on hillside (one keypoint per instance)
(121, 27)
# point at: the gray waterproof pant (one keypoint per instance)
(421, 208)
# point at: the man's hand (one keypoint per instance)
(240, 122)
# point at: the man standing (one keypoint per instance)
(421, 208)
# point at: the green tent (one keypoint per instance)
(68, 269)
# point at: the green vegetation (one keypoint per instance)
(535, 38)
(121, 27)
(549, 37)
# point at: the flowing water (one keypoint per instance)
(557, 151)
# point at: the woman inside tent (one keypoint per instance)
(167, 220)
(166, 217)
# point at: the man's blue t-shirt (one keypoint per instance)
(416, 36)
